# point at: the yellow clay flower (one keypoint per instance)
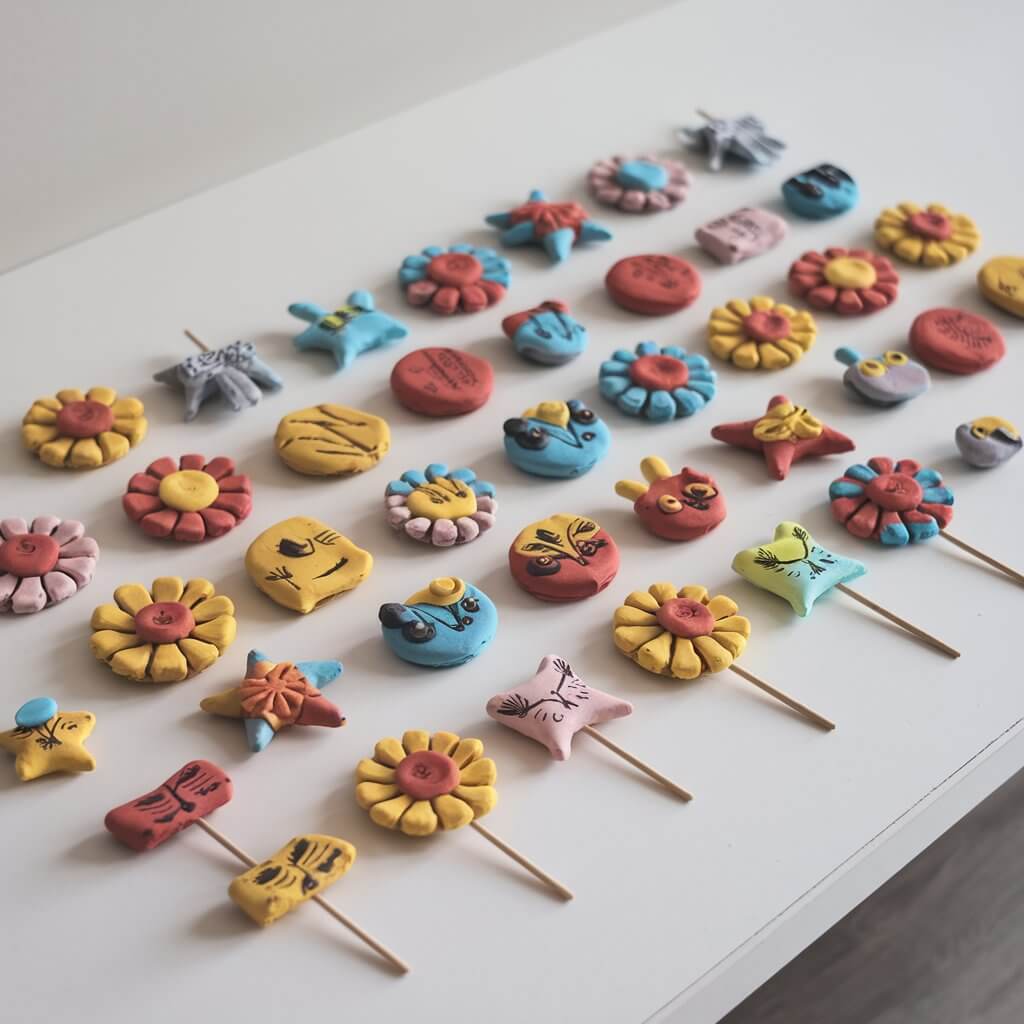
(761, 333)
(933, 237)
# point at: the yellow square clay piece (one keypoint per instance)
(331, 440)
(301, 562)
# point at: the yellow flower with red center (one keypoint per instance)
(760, 333)
(933, 236)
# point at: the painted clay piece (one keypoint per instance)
(932, 237)
(459, 279)
(741, 235)
(640, 184)
(447, 623)
(677, 506)
(761, 333)
(349, 331)
(555, 227)
(189, 500)
(821, 192)
(546, 334)
(658, 384)
(742, 138)
(195, 790)
(43, 563)
(563, 558)
(1001, 281)
(956, 341)
(680, 633)
(892, 503)
(556, 439)
(425, 783)
(784, 434)
(274, 695)
(795, 567)
(331, 440)
(554, 705)
(442, 381)
(301, 562)
(653, 284)
(987, 441)
(166, 634)
(888, 379)
(76, 430)
(850, 282)
(439, 506)
(303, 868)
(45, 739)
(235, 371)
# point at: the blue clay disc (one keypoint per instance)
(641, 175)
(37, 711)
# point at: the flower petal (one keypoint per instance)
(106, 396)
(219, 631)
(481, 799)
(168, 588)
(419, 820)
(414, 740)
(86, 454)
(444, 742)
(207, 610)
(369, 770)
(656, 654)
(662, 592)
(695, 592)
(642, 599)
(109, 616)
(479, 773)
(452, 812)
(198, 654)
(132, 597)
(685, 662)
(389, 812)
(196, 590)
(29, 596)
(369, 793)
(113, 446)
(132, 662)
(626, 616)
(720, 606)
(713, 654)
(468, 750)
(630, 638)
(169, 664)
(389, 752)
(733, 624)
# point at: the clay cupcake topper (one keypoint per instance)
(45, 739)
(741, 235)
(425, 783)
(274, 695)
(987, 441)
(563, 558)
(555, 227)
(556, 439)
(685, 633)
(784, 434)
(447, 623)
(850, 282)
(823, 191)
(889, 379)
(546, 334)
(742, 138)
(459, 279)
(349, 331)
(640, 184)
(1001, 281)
(235, 372)
(658, 384)
(676, 506)
(83, 430)
(761, 333)
(932, 236)
(43, 563)
(331, 440)
(440, 506)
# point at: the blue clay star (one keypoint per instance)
(556, 227)
(355, 328)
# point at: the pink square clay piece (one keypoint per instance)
(741, 234)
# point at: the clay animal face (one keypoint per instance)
(823, 191)
(556, 439)
(680, 506)
(987, 441)
(549, 335)
(888, 379)
(564, 557)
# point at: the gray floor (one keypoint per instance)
(940, 943)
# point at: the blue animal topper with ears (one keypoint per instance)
(556, 439)
(546, 334)
(888, 379)
(349, 331)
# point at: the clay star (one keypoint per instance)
(743, 137)
(554, 705)
(795, 568)
(348, 332)
(273, 696)
(233, 371)
(785, 434)
(45, 740)
(556, 227)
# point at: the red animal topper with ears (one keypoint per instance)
(680, 506)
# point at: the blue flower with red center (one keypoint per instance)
(657, 383)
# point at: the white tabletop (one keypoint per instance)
(679, 909)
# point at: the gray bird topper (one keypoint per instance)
(743, 138)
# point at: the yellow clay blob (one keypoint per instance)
(1001, 281)
(188, 490)
(850, 272)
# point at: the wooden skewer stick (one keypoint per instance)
(198, 342)
(338, 916)
(790, 702)
(522, 861)
(902, 623)
(987, 559)
(637, 763)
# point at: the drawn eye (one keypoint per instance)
(669, 503)
(979, 432)
(871, 368)
(544, 565)
(697, 490)
(896, 358)
(583, 415)
(470, 604)
(294, 548)
(418, 631)
(588, 548)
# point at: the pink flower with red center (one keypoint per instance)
(850, 282)
(459, 279)
(190, 500)
(642, 184)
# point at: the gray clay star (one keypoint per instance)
(742, 137)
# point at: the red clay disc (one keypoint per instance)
(654, 284)
(956, 341)
(442, 381)
(552, 561)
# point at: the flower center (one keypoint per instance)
(685, 617)
(188, 490)
(765, 325)
(936, 226)
(442, 499)
(456, 269)
(850, 272)
(426, 774)
(29, 554)
(642, 175)
(658, 373)
(84, 419)
(895, 492)
(165, 622)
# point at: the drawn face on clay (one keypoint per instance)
(556, 439)
(447, 623)
(987, 441)
(681, 507)
(563, 558)
(888, 379)
(823, 191)
(550, 337)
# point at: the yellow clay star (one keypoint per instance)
(46, 740)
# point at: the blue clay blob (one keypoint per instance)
(642, 176)
(35, 712)
(556, 439)
(884, 380)
(823, 191)
(550, 337)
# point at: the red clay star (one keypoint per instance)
(785, 434)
